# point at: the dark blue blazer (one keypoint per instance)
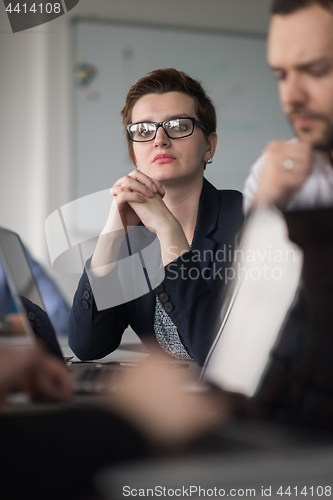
(193, 288)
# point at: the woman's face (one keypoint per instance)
(166, 159)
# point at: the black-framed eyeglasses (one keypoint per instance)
(176, 128)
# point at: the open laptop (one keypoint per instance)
(32, 321)
(267, 273)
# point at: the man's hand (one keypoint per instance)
(33, 371)
(286, 167)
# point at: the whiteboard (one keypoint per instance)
(232, 69)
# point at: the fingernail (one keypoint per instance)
(150, 192)
(154, 188)
(142, 198)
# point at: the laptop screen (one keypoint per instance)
(267, 271)
(28, 316)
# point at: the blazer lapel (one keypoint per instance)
(209, 206)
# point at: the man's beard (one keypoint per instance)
(323, 143)
(326, 142)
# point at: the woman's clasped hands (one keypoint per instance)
(137, 197)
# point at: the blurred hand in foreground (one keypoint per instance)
(157, 398)
(32, 371)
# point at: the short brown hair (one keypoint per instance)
(166, 80)
(290, 6)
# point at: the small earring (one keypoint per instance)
(209, 161)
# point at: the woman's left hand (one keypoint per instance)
(156, 216)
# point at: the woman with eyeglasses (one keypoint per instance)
(170, 124)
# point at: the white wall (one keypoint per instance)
(35, 101)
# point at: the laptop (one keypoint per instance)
(267, 273)
(33, 323)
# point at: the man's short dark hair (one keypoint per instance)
(290, 6)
